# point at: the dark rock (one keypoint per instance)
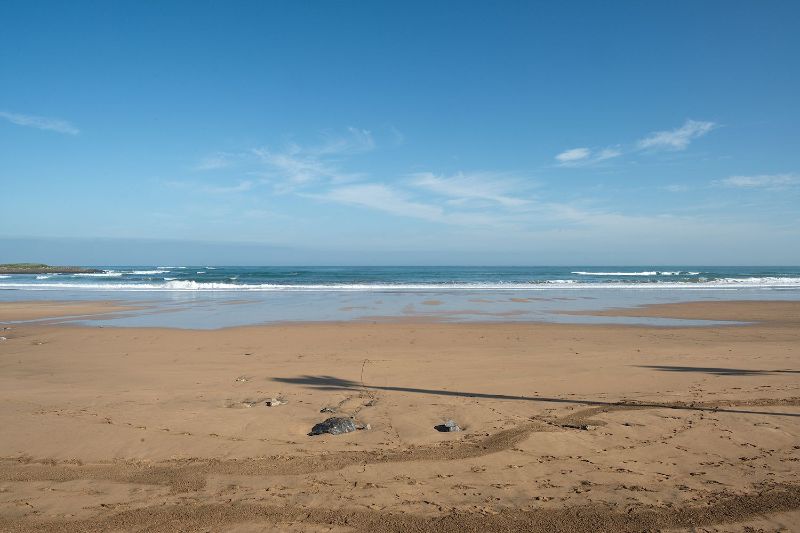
(335, 426)
(570, 425)
(448, 426)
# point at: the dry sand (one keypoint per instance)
(566, 427)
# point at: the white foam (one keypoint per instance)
(4, 276)
(146, 272)
(645, 273)
(649, 273)
(46, 276)
(104, 274)
(565, 284)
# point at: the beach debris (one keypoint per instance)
(448, 426)
(336, 425)
(242, 379)
(268, 402)
(3, 339)
(275, 402)
(328, 410)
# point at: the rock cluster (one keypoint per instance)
(448, 426)
(336, 425)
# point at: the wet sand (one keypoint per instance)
(14, 311)
(566, 427)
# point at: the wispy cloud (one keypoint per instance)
(574, 154)
(41, 123)
(761, 181)
(296, 165)
(607, 153)
(395, 201)
(677, 139)
(461, 188)
(586, 156)
(514, 216)
(384, 198)
(356, 141)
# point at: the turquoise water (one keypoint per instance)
(236, 278)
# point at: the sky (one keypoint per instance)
(512, 133)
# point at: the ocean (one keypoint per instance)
(208, 297)
(238, 278)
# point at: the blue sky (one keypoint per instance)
(412, 133)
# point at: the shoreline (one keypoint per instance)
(692, 313)
(567, 426)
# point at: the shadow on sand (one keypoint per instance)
(718, 371)
(332, 383)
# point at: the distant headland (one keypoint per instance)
(40, 268)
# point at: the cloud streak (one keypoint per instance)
(462, 188)
(296, 166)
(677, 139)
(41, 123)
(574, 154)
(586, 156)
(761, 181)
(381, 197)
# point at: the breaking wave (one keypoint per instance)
(645, 273)
(105, 274)
(562, 284)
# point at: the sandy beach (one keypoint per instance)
(566, 427)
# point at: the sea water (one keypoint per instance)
(209, 296)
